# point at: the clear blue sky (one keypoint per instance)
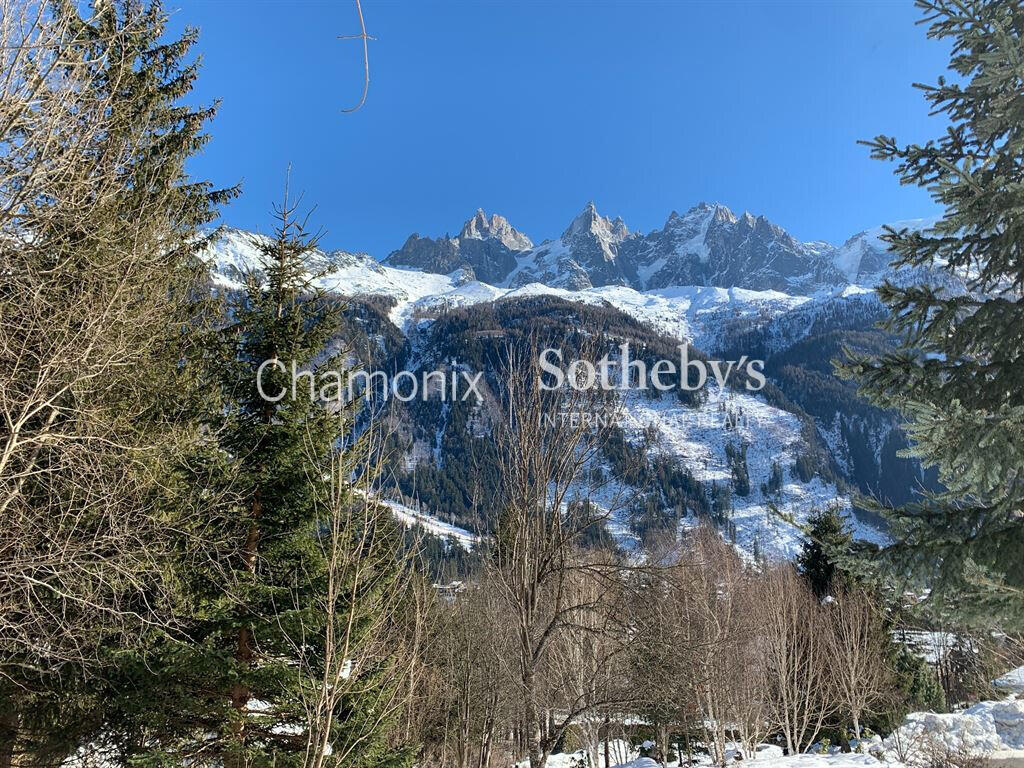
(532, 109)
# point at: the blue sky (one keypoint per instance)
(531, 109)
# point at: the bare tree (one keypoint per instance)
(795, 647)
(586, 664)
(662, 648)
(480, 678)
(860, 642)
(697, 643)
(549, 440)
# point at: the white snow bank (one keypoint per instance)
(621, 753)
(831, 760)
(1012, 682)
(993, 729)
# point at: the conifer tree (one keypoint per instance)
(98, 286)
(958, 377)
(282, 661)
(278, 318)
(828, 539)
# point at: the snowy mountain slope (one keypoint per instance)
(485, 249)
(677, 310)
(410, 517)
(697, 439)
(587, 254)
(730, 285)
(684, 312)
(865, 257)
(709, 245)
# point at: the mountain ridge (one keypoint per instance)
(708, 245)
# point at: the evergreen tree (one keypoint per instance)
(827, 540)
(915, 688)
(277, 318)
(958, 377)
(237, 686)
(98, 287)
(736, 455)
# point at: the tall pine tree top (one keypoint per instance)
(958, 378)
(828, 538)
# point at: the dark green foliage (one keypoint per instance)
(736, 456)
(804, 467)
(915, 689)
(441, 560)
(110, 240)
(721, 503)
(773, 485)
(478, 336)
(827, 540)
(460, 488)
(255, 613)
(957, 377)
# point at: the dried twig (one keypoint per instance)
(366, 56)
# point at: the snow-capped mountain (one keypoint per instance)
(586, 255)
(484, 250)
(729, 285)
(709, 245)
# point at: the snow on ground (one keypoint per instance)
(828, 760)
(697, 438)
(993, 729)
(410, 517)
(767, 756)
(621, 752)
(933, 647)
(990, 730)
(693, 313)
(1011, 682)
(234, 253)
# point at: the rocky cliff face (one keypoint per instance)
(484, 250)
(709, 245)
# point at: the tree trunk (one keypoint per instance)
(8, 734)
(244, 651)
(535, 721)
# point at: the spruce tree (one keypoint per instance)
(827, 540)
(278, 318)
(958, 378)
(98, 291)
(237, 685)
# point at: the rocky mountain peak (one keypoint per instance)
(722, 214)
(496, 227)
(590, 222)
